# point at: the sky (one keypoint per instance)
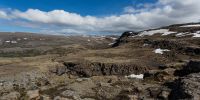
(92, 17)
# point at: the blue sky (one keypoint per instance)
(83, 7)
(94, 16)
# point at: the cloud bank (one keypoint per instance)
(135, 18)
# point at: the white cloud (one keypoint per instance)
(163, 12)
(129, 9)
(3, 15)
(54, 17)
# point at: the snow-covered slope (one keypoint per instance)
(160, 31)
(195, 25)
(183, 30)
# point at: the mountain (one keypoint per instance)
(177, 31)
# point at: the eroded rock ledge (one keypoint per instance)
(89, 69)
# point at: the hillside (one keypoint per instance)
(162, 63)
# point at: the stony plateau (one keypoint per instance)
(155, 64)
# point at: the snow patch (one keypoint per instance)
(113, 38)
(42, 39)
(197, 34)
(88, 40)
(181, 34)
(7, 41)
(13, 41)
(133, 36)
(160, 51)
(140, 76)
(111, 43)
(152, 32)
(145, 44)
(195, 25)
(167, 33)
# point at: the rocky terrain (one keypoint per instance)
(155, 64)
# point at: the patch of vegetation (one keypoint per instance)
(26, 53)
(62, 51)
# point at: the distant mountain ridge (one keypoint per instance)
(172, 31)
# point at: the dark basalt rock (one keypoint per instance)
(178, 28)
(59, 70)
(98, 69)
(185, 29)
(191, 67)
(187, 87)
(123, 37)
(192, 50)
(128, 33)
(165, 44)
(175, 46)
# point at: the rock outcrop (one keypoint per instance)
(187, 87)
(175, 46)
(96, 69)
(193, 66)
(124, 38)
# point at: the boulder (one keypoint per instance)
(192, 66)
(33, 94)
(187, 87)
(71, 94)
(45, 97)
(59, 70)
(160, 75)
(164, 94)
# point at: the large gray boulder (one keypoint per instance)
(187, 87)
